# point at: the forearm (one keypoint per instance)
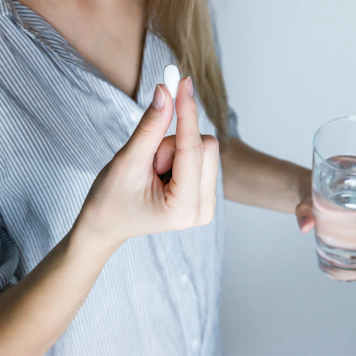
(37, 310)
(254, 178)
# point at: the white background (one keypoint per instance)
(289, 66)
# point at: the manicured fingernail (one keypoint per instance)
(303, 220)
(189, 86)
(158, 98)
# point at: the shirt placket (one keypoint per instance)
(169, 249)
(181, 283)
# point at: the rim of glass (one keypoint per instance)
(347, 117)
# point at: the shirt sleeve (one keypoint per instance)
(233, 117)
(9, 258)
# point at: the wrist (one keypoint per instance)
(82, 240)
(305, 183)
(299, 183)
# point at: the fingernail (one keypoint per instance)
(158, 98)
(154, 161)
(303, 220)
(189, 86)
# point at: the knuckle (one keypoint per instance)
(207, 216)
(198, 147)
(186, 219)
(190, 218)
(206, 219)
(169, 140)
(304, 206)
(148, 125)
(194, 110)
(210, 142)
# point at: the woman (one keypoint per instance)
(98, 254)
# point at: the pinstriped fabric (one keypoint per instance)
(61, 122)
(4, 9)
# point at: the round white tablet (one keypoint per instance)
(171, 79)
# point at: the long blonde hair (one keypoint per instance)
(186, 27)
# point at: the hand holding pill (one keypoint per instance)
(128, 195)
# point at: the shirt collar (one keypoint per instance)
(38, 28)
(156, 55)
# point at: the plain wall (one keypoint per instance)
(289, 66)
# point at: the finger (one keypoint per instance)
(187, 131)
(165, 154)
(152, 128)
(188, 160)
(304, 213)
(208, 180)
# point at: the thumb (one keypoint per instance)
(152, 127)
(304, 213)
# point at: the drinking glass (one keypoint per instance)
(334, 197)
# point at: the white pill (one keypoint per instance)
(171, 79)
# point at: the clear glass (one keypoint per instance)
(334, 197)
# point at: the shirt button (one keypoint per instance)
(195, 345)
(136, 115)
(183, 278)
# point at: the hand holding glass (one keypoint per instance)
(334, 197)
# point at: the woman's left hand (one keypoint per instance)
(304, 213)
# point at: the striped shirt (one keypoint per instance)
(61, 122)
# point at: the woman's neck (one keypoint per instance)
(108, 33)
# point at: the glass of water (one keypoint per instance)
(334, 197)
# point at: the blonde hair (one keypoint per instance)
(186, 27)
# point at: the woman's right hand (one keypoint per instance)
(129, 199)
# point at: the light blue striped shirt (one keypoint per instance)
(61, 122)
